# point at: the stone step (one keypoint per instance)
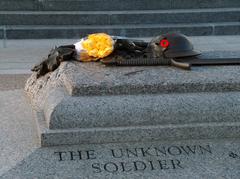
(121, 118)
(93, 5)
(120, 17)
(141, 30)
(123, 111)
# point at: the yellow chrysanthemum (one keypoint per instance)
(98, 45)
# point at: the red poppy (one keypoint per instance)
(164, 43)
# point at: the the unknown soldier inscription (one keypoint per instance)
(176, 159)
(137, 159)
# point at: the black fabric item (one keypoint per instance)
(54, 58)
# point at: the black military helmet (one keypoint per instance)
(174, 45)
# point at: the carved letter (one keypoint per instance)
(97, 168)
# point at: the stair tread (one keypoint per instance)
(118, 26)
(124, 12)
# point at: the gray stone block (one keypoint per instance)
(141, 110)
(91, 103)
(96, 79)
(209, 130)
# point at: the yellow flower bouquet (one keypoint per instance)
(96, 46)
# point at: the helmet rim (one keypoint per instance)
(185, 53)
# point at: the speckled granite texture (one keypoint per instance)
(215, 159)
(92, 103)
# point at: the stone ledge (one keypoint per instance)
(104, 119)
(140, 110)
(169, 132)
(96, 79)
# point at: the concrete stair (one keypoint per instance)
(137, 18)
(93, 5)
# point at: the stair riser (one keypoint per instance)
(115, 19)
(1, 33)
(12, 5)
(86, 5)
(227, 30)
(139, 32)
